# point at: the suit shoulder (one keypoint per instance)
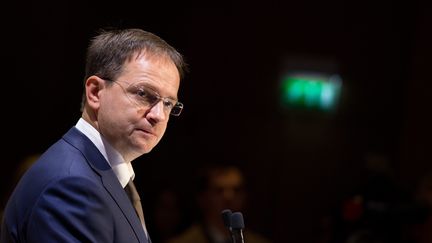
(62, 159)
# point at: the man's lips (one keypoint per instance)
(146, 131)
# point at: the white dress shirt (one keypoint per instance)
(122, 169)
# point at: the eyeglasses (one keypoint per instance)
(142, 95)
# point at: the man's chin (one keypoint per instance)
(144, 148)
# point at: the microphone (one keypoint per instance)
(237, 226)
(226, 217)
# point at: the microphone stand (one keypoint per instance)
(235, 224)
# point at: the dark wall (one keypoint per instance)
(299, 165)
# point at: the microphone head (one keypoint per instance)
(237, 221)
(226, 217)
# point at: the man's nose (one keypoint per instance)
(157, 112)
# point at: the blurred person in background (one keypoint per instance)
(219, 187)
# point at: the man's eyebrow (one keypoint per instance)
(153, 88)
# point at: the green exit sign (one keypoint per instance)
(311, 91)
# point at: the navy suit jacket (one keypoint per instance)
(71, 195)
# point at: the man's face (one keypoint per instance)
(226, 191)
(131, 127)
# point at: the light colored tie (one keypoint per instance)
(132, 192)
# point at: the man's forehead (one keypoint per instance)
(227, 178)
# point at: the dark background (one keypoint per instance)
(299, 165)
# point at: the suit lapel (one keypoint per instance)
(119, 195)
(109, 179)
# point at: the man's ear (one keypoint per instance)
(94, 85)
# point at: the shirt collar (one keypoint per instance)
(122, 169)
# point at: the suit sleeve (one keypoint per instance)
(71, 210)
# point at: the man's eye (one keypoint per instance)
(147, 96)
(142, 93)
(168, 104)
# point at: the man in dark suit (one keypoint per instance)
(81, 189)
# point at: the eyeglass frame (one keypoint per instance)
(176, 105)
